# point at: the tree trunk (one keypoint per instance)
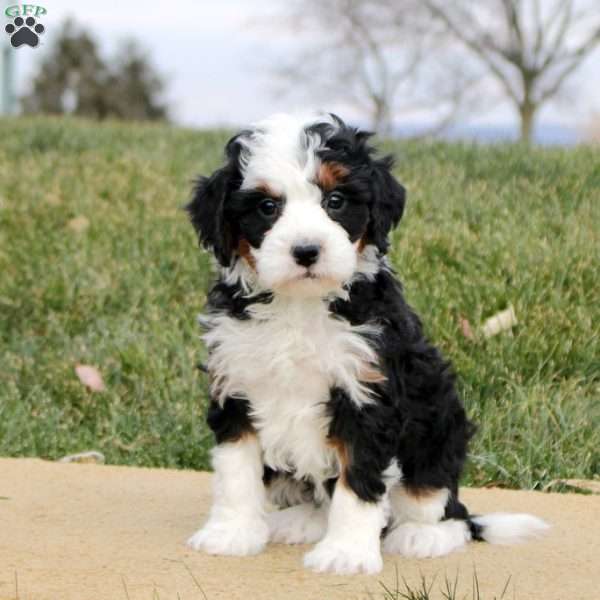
(381, 119)
(527, 112)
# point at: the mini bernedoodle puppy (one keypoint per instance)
(328, 403)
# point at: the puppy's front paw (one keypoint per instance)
(302, 524)
(343, 558)
(236, 537)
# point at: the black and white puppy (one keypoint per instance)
(327, 400)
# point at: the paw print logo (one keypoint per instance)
(24, 31)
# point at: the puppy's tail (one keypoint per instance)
(506, 528)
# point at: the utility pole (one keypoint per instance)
(7, 79)
(8, 94)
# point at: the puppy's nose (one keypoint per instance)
(306, 254)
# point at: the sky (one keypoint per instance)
(218, 57)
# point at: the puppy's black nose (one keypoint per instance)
(306, 255)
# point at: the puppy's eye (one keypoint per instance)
(335, 202)
(267, 208)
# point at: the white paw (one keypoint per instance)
(237, 536)
(422, 540)
(302, 524)
(343, 558)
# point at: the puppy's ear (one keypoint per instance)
(389, 198)
(207, 208)
(207, 213)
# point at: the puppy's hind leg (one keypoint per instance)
(429, 523)
(417, 529)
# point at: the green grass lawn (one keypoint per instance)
(485, 227)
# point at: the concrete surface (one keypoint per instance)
(79, 532)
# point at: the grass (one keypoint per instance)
(426, 590)
(485, 227)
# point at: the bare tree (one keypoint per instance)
(368, 54)
(530, 47)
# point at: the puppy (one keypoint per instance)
(327, 400)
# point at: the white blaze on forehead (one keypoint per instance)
(280, 152)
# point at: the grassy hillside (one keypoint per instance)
(485, 228)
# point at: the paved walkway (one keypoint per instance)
(79, 532)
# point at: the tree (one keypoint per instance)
(134, 86)
(75, 79)
(373, 57)
(529, 47)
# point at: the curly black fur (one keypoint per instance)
(418, 417)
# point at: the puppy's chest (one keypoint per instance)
(285, 359)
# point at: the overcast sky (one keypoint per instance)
(216, 56)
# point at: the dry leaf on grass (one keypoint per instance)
(90, 377)
(466, 328)
(78, 224)
(501, 321)
(90, 457)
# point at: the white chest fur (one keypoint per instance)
(284, 360)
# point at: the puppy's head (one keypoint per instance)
(297, 203)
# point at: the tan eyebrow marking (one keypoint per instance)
(331, 174)
(267, 191)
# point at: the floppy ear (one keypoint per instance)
(207, 213)
(207, 208)
(389, 198)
